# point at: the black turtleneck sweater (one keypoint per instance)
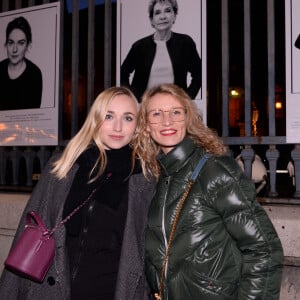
(95, 232)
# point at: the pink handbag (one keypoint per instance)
(33, 253)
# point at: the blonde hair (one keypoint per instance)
(147, 149)
(89, 134)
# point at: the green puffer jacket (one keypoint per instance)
(225, 246)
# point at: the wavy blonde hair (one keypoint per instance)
(147, 149)
(89, 134)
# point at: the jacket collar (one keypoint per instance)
(178, 157)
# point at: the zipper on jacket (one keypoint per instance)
(167, 181)
(84, 230)
(83, 234)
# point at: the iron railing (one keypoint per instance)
(21, 166)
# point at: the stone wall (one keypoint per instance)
(11, 208)
(286, 220)
(284, 217)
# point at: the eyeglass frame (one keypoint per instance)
(170, 115)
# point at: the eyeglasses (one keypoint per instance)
(176, 114)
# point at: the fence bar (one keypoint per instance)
(225, 68)
(43, 154)
(107, 43)
(29, 155)
(271, 65)
(247, 62)
(5, 5)
(3, 164)
(15, 156)
(296, 158)
(18, 4)
(75, 64)
(91, 54)
(248, 156)
(272, 155)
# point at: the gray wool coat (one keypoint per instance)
(48, 200)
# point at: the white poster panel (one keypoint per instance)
(29, 67)
(292, 20)
(134, 25)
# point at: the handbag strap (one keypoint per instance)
(40, 222)
(69, 216)
(33, 215)
(192, 179)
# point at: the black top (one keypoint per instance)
(24, 92)
(95, 233)
(184, 58)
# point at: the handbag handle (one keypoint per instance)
(33, 215)
(192, 179)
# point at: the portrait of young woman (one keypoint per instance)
(21, 79)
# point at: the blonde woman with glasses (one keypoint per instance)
(207, 236)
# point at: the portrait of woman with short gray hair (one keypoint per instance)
(164, 56)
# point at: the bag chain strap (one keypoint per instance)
(68, 217)
(179, 209)
(157, 296)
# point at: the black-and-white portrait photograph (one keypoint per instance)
(29, 61)
(297, 42)
(292, 50)
(295, 35)
(21, 79)
(162, 41)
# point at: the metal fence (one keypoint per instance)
(20, 166)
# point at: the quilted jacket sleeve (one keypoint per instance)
(248, 224)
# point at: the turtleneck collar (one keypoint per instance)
(119, 161)
(178, 157)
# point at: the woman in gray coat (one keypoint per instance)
(99, 251)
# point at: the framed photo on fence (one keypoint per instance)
(162, 42)
(292, 46)
(29, 75)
